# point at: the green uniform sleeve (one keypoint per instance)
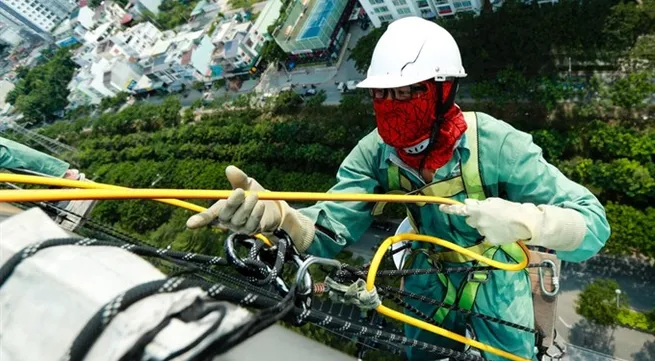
(347, 221)
(526, 177)
(14, 155)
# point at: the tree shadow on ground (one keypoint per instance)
(647, 352)
(592, 336)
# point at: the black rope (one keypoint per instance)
(392, 291)
(267, 273)
(359, 273)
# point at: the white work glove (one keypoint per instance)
(504, 222)
(249, 215)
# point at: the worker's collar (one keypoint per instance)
(449, 170)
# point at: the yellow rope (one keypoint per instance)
(375, 264)
(94, 190)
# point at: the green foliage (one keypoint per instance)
(363, 50)
(198, 103)
(43, 89)
(144, 141)
(505, 38)
(597, 302)
(198, 85)
(220, 83)
(286, 102)
(173, 13)
(631, 230)
(187, 115)
(633, 89)
(272, 53)
(241, 4)
(115, 101)
(644, 48)
(621, 180)
(316, 100)
(637, 320)
(626, 22)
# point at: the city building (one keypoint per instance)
(103, 78)
(37, 16)
(73, 29)
(313, 29)
(10, 36)
(147, 5)
(179, 60)
(229, 52)
(136, 42)
(385, 11)
(258, 34)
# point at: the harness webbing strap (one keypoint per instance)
(471, 166)
(469, 181)
(450, 299)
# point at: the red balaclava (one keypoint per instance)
(406, 123)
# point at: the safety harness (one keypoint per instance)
(470, 182)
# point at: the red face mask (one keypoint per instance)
(407, 123)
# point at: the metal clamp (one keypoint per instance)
(303, 271)
(555, 278)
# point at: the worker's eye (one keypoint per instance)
(378, 93)
(403, 93)
(400, 93)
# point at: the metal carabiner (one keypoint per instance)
(303, 271)
(555, 278)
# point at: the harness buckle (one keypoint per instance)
(479, 277)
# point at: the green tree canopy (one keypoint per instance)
(43, 90)
(597, 302)
(363, 51)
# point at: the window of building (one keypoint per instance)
(381, 9)
(422, 4)
(467, 4)
(404, 11)
(445, 10)
(399, 2)
(375, 2)
(385, 18)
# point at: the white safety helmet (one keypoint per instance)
(412, 50)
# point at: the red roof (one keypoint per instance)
(126, 18)
(186, 58)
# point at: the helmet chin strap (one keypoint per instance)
(440, 111)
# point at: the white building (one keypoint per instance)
(229, 38)
(149, 5)
(104, 78)
(136, 42)
(178, 60)
(258, 34)
(37, 16)
(385, 11)
(10, 36)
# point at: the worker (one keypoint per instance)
(21, 158)
(425, 144)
